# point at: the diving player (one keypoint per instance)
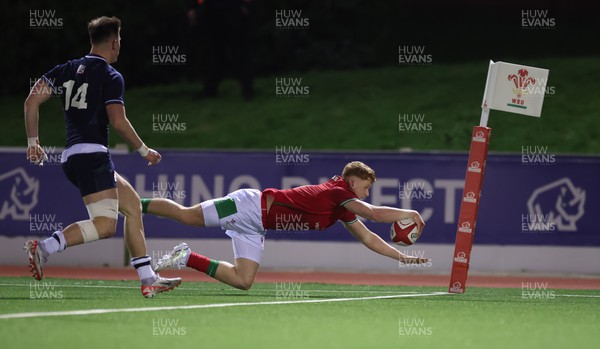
(247, 214)
(91, 91)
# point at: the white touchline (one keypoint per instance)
(202, 306)
(70, 286)
(254, 291)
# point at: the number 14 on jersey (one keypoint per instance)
(78, 100)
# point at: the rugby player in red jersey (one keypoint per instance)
(247, 214)
(91, 91)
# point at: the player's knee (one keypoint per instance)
(98, 228)
(245, 283)
(103, 220)
(130, 208)
(106, 227)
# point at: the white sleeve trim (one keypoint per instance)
(347, 201)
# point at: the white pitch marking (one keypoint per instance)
(578, 295)
(218, 289)
(72, 286)
(202, 306)
(268, 290)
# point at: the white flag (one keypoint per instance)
(515, 88)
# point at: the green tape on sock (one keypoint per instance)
(145, 202)
(212, 268)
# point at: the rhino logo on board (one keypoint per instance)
(559, 202)
(19, 194)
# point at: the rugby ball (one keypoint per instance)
(404, 232)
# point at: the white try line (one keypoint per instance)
(42, 283)
(254, 291)
(263, 290)
(578, 295)
(203, 306)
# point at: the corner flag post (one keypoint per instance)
(526, 97)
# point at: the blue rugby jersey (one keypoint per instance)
(86, 86)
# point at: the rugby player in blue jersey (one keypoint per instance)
(91, 91)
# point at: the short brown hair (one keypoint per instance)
(360, 170)
(103, 28)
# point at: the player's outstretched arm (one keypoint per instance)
(384, 214)
(376, 244)
(118, 120)
(39, 94)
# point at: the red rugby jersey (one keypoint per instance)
(310, 207)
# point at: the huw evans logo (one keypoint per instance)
(44, 19)
(560, 202)
(413, 55)
(291, 87)
(291, 155)
(290, 19)
(168, 55)
(18, 193)
(537, 19)
(413, 123)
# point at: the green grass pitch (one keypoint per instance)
(366, 103)
(292, 315)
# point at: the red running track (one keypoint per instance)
(589, 283)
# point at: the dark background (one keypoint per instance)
(342, 35)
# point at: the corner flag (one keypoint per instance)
(515, 88)
(512, 88)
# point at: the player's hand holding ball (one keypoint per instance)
(405, 232)
(419, 222)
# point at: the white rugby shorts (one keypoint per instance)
(239, 214)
